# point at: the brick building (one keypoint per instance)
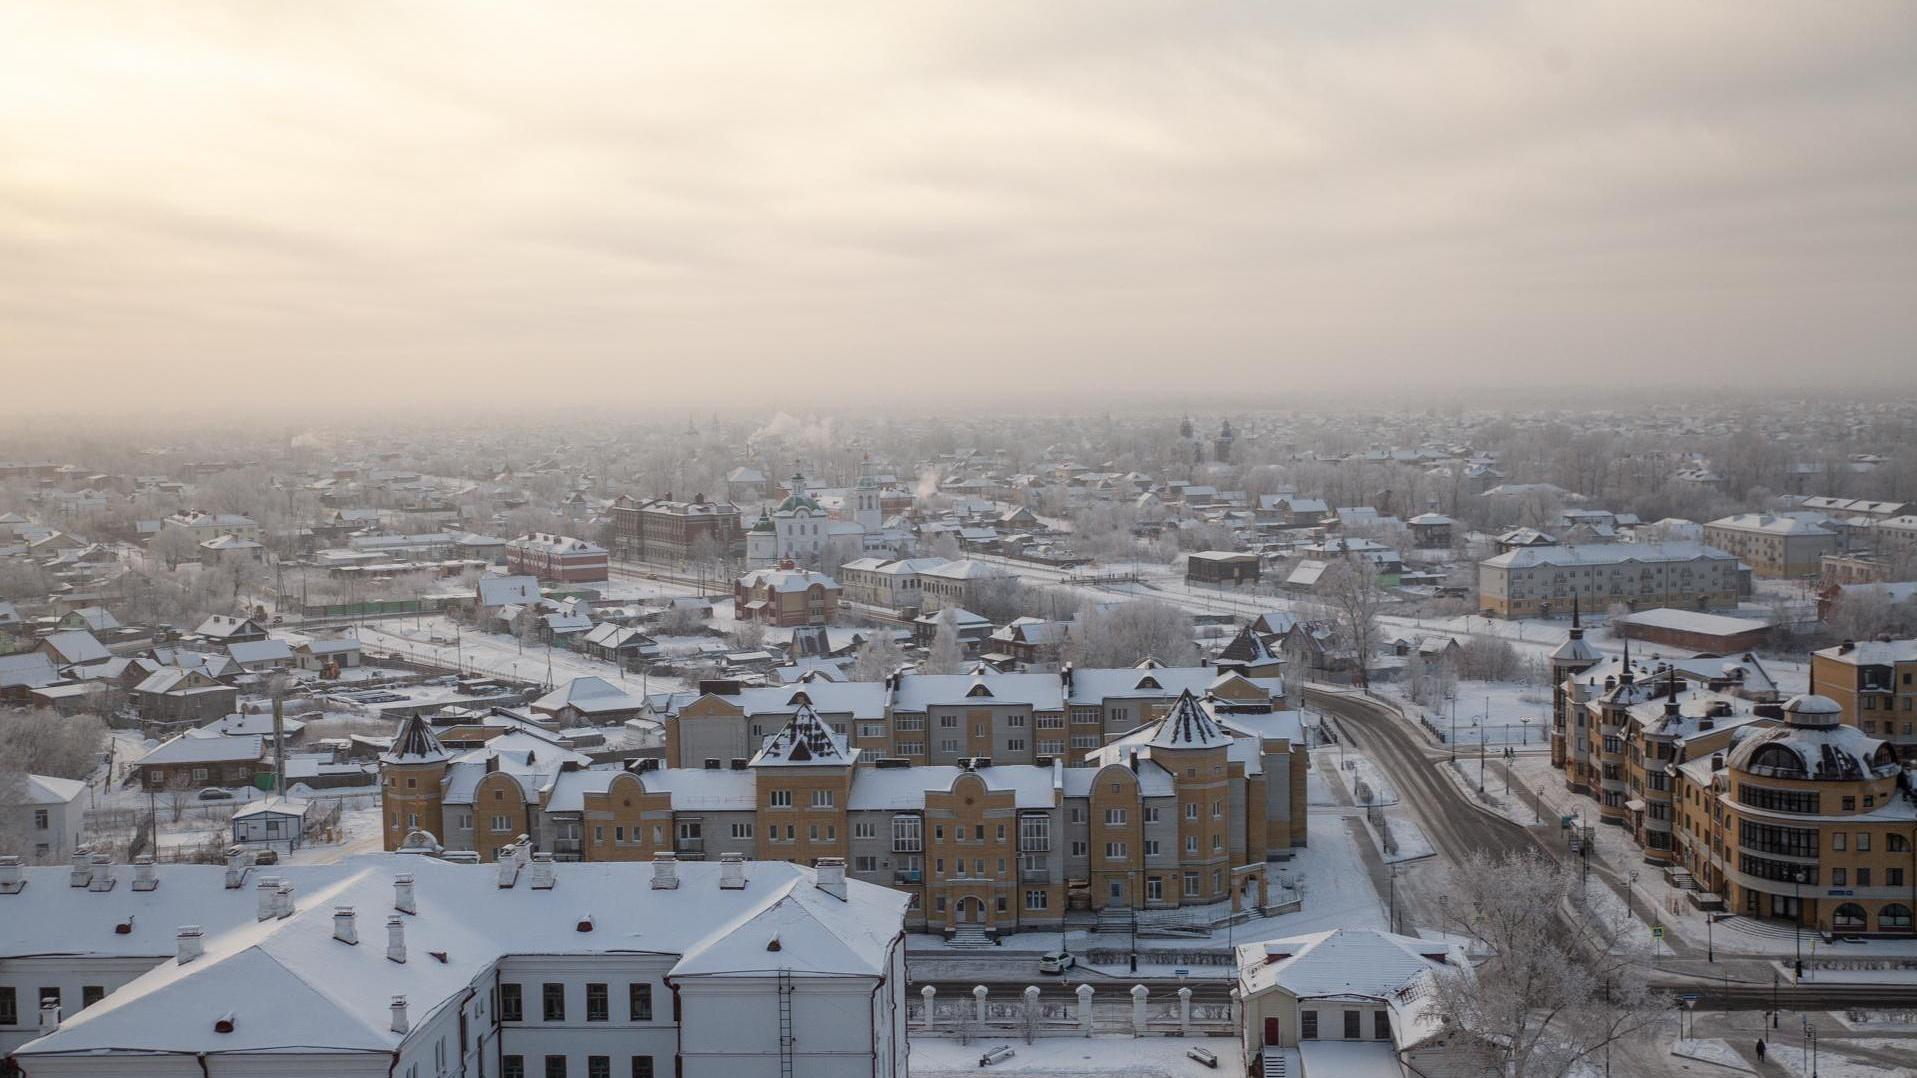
(660, 529)
(558, 558)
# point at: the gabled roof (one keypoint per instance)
(78, 646)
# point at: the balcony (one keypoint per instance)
(694, 846)
(563, 847)
(1034, 875)
(908, 876)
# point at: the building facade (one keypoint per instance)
(786, 597)
(1777, 546)
(660, 529)
(407, 965)
(1534, 581)
(558, 558)
(1874, 684)
(1186, 805)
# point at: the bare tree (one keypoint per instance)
(1552, 994)
(174, 545)
(47, 743)
(946, 655)
(1349, 589)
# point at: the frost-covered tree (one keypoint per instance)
(946, 655)
(1553, 993)
(877, 657)
(1351, 596)
(174, 545)
(1121, 634)
(44, 742)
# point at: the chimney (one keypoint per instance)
(396, 939)
(346, 925)
(508, 867)
(283, 900)
(543, 875)
(1847, 647)
(12, 879)
(237, 862)
(268, 890)
(226, 1022)
(143, 877)
(192, 943)
(49, 1015)
(665, 872)
(404, 898)
(831, 872)
(1717, 761)
(732, 872)
(82, 869)
(400, 1024)
(102, 873)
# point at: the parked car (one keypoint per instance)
(998, 1054)
(214, 793)
(1055, 962)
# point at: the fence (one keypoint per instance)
(1029, 1014)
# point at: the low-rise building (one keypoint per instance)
(558, 558)
(405, 964)
(1874, 684)
(173, 695)
(786, 597)
(1781, 545)
(50, 814)
(1534, 581)
(1221, 568)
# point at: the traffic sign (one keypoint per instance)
(1181, 973)
(1657, 932)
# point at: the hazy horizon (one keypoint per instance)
(904, 207)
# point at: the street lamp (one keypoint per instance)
(1481, 760)
(1394, 898)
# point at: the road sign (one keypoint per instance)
(1690, 997)
(1657, 932)
(1576, 846)
(1181, 973)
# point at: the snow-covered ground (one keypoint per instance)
(1120, 1057)
(1716, 1052)
(439, 642)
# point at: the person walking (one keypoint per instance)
(1760, 1049)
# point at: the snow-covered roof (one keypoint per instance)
(505, 590)
(916, 692)
(200, 750)
(904, 788)
(787, 580)
(1695, 621)
(1342, 962)
(1605, 554)
(1859, 653)
(260, 651)
(1188, 725)
(31, 670)
(1773, 524)
(805, 740)
(222, 626)
(48, 790)
(415, 744)
(291, 984)
(589, 694)
(77, 646)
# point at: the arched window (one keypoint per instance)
(1849, 916)
(1776, 759)
(1894, 915)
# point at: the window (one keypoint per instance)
(555, 1067)
(1191, 843)
(1114, 816)
(40, 820)
(512, 1006)
(641, 1067)
(639, 1002)
(512, 1067)
(1079, 849)
(741, 830)
(1191, 810)
(501, 824)
(865, 830)
(1307, 1025)
(1839, 840)
(1151, 847)
(1037, 900)
(1151, 815)
(1863, 842)
(1014, 744)
(1034, 834)
(597, 1009)
(1863, 877)
(1839, 877)
(781, 799)
(1114, 851)
(9, 1006)
(821, 799)
(1191, 883)
(1353, 1029)
(91, 994)
(598, 1067)
(865, 864)
(555, 1002)
(1155, 889)
(1217, 809)
(908, 834)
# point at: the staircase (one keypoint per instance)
(1777, 930)
(969, 937)
(1116, 919)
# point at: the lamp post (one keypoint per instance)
(1481, 760)
(1524, 728)
(1774, 1003)
(1394, 898)
(1452, 741)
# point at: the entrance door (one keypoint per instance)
(1271, 1031)
(1118, 892)
(971, 911)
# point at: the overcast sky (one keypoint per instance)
(920, 205)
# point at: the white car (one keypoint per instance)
(1055, 962)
